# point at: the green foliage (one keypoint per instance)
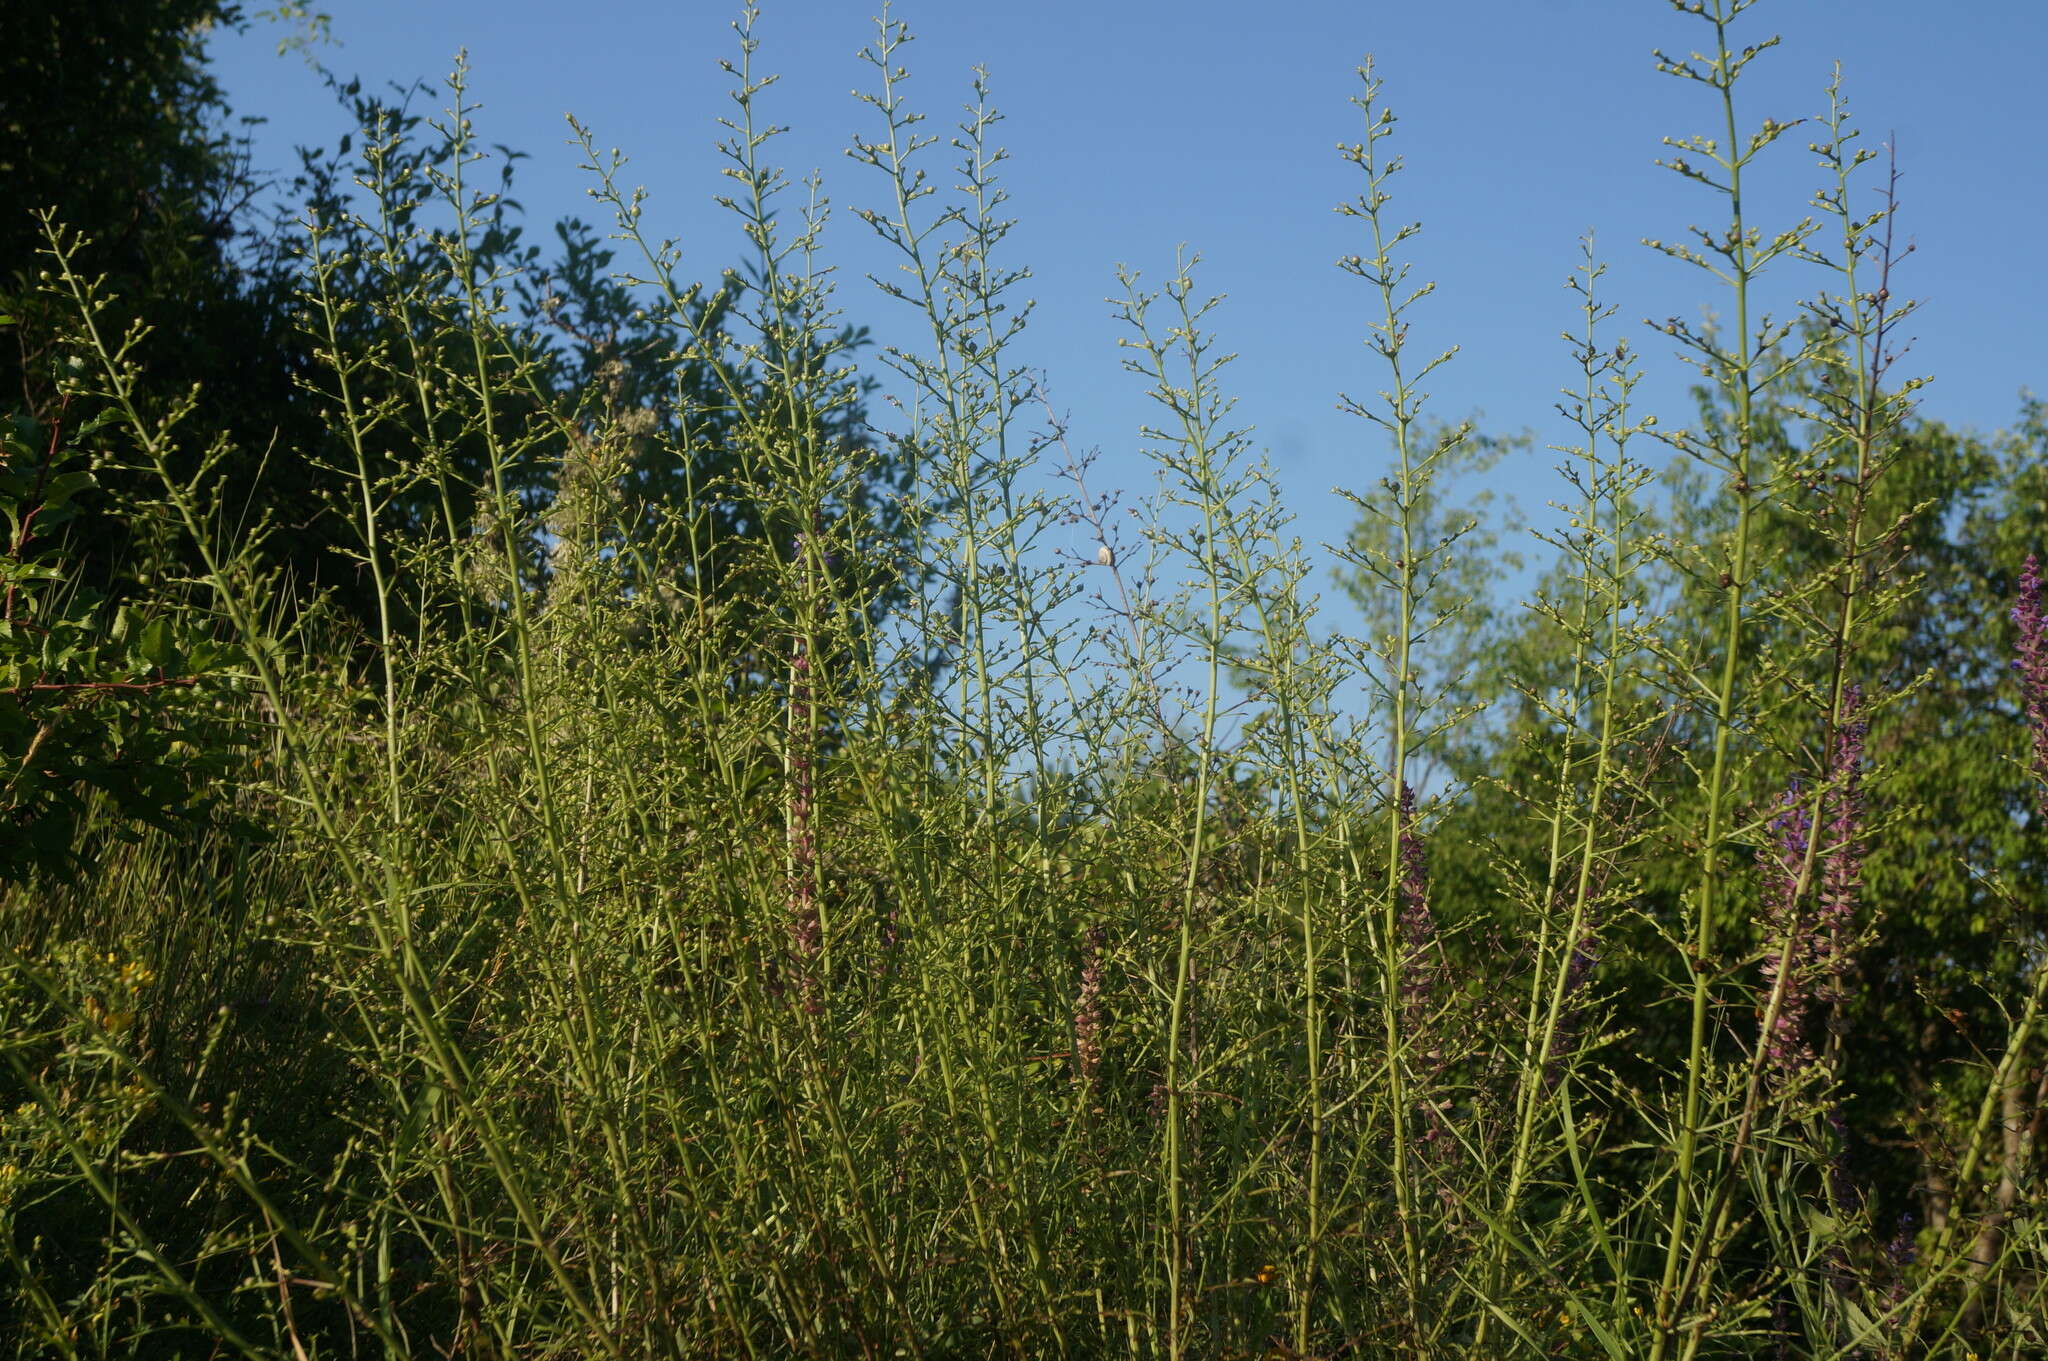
(94, 700)
(689, 874)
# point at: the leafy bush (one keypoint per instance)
(89, 697)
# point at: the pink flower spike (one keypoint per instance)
(2031, 662)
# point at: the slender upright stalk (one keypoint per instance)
(1741, 367)
(1402, 571)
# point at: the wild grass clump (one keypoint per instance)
(727, 884)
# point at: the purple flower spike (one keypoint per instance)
(1814, 953)
(2032, 665)
(1418, 927)
(1088, 1015)
(1842, 873)
(1786, 1045)
(805, 925)
(1418, 982)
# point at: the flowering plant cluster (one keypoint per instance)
(744, 874)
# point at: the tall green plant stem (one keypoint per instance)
(1280, 645)
(483, 331)
(480, 330)
(1737, 372)
(1243, 534)
(1603, 413)
(2007, 1074)
(967, 393)
(356, 426)
(958, 287)
(1197, 412)
(939, 375)
(1413, 466)
(1864, 419)
(396, 949)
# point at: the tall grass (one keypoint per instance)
(812, 915)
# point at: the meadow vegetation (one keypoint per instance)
(586, 811)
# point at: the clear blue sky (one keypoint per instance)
(1137, 125)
